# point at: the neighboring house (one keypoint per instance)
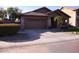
(74, 14)
(42, 18)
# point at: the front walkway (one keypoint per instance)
(30, 37)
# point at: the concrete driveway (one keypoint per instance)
(45, 36)
(35, 37)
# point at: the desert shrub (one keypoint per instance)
(9, 29)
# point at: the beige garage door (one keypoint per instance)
(35, 23)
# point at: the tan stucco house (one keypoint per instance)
(42, 18)
(74, 14)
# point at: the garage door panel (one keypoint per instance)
(35, 23)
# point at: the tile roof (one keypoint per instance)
(71, 8)
(58, 12)
(38, 12)
(42, 10)
(48, 12)
(35, 13)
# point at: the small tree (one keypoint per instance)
(13, 13)
(60, 20)
(3, 13)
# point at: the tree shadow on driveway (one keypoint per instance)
(26, 36)
(20, 37)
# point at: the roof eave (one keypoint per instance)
(36, 15)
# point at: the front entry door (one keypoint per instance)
(53, 23)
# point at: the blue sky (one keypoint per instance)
(30, 8)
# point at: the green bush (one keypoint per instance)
(9, 29)
(73, 29)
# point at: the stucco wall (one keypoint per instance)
(22, 22)
(72, 20)
(49, 22)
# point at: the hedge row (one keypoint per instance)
(73, 29)
(9, 29)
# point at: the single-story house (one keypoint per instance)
(42, 18)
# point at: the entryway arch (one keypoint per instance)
(56, 17)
